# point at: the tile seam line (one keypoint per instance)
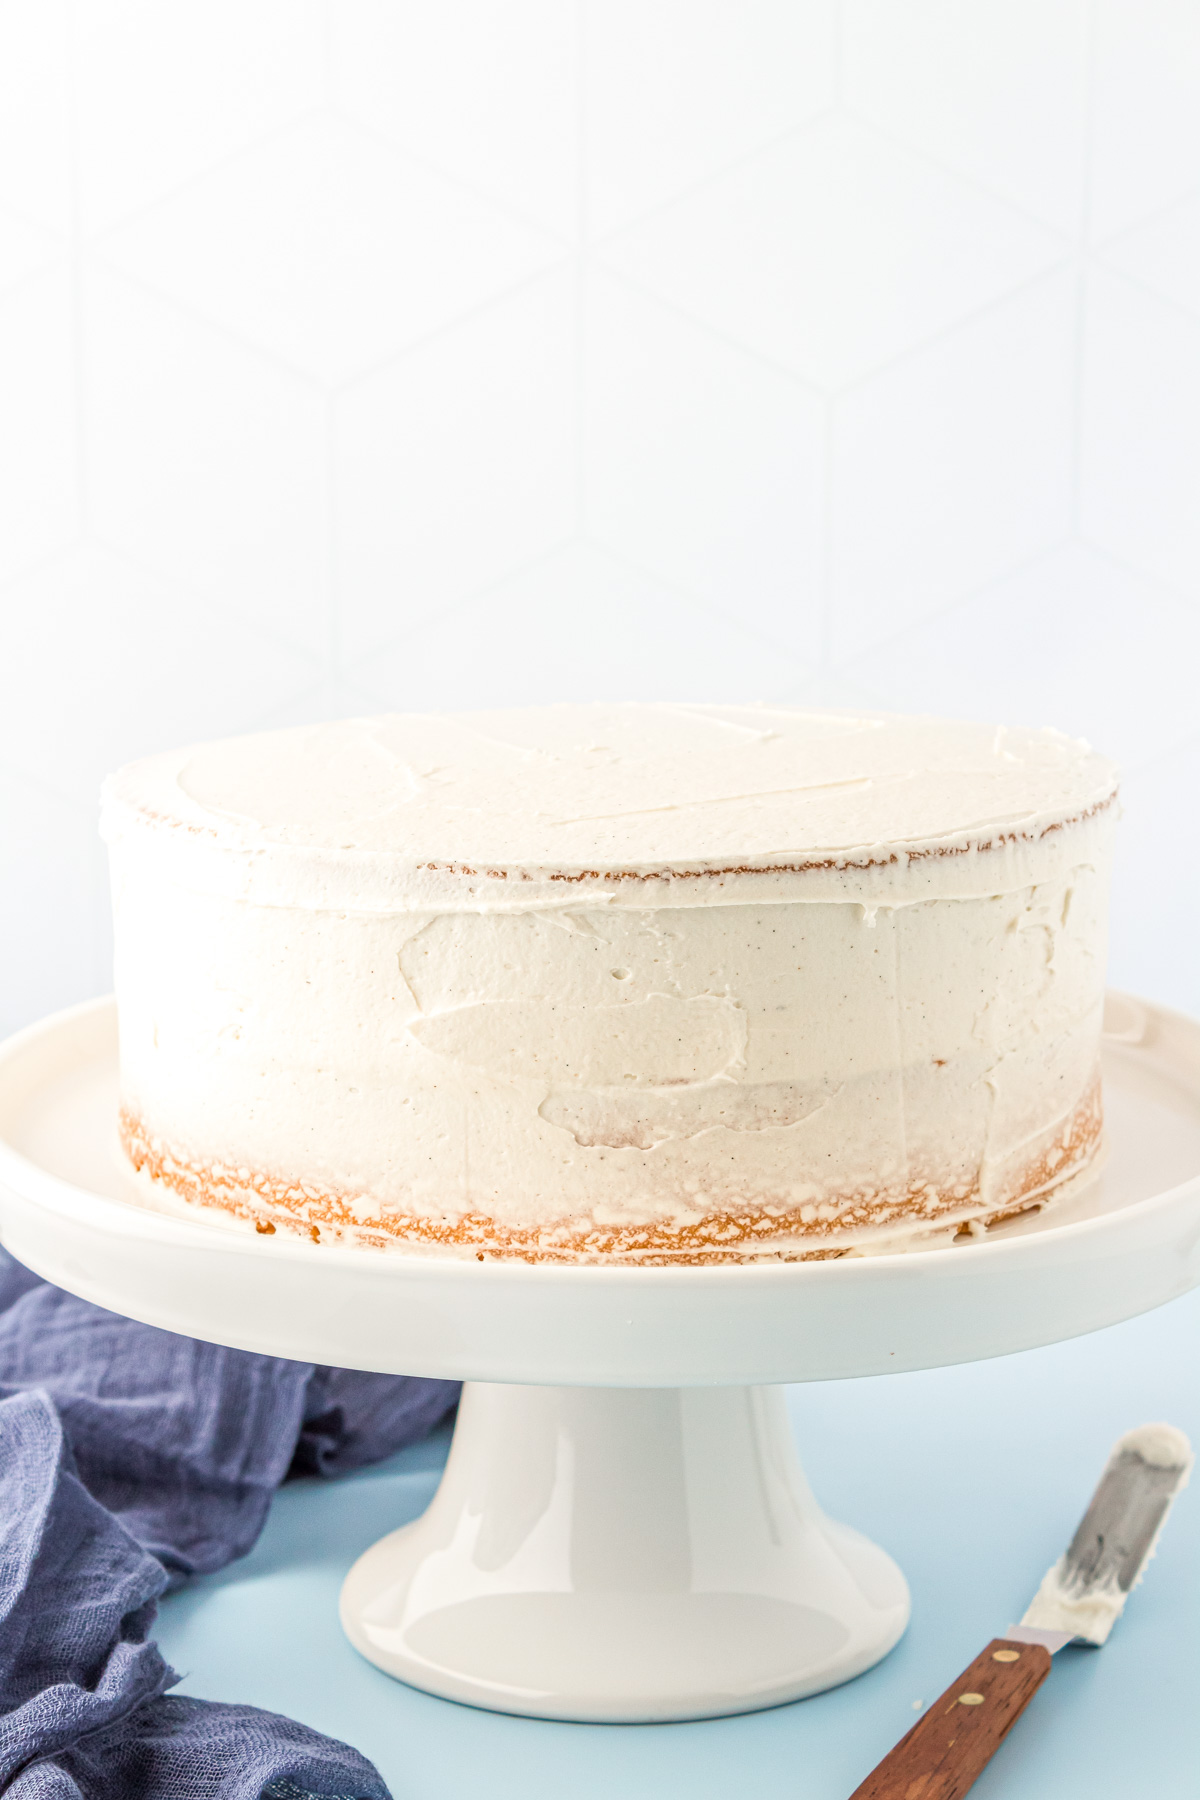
(96, 237)
(55, 267)
(314, 113)
(328, 53)
(80, 361)
(332, 558)
(262, 720)
(1079, 361)
(714, 332)
(582, 122)
(828, 532)
(838, 57)
(847, 113)
(52, 234)
(1098, 266)
(838, 390)
(687, 597)
(1166, 590)
(944, 333)
(374, 134)
(700, 186)
(579, 274)
(889, 135)
(316, 384)
(459, 603)
(846, 664)
(96, 260)
(348, 384)
(802, 665)
(183, 585)
(63, 552)
(1159, 215)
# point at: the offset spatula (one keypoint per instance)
(1079, 1601)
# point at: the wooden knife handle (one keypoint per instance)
(957, 1736)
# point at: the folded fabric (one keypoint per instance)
(85, 1716)
(129, 1459)
(186, 1442)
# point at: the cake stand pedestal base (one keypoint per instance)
(624, 1554)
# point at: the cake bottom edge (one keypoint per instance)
(920, 1218)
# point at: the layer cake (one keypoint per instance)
(657, 983)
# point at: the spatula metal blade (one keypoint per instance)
(1086, 1590)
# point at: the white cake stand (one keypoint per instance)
(636, 1542)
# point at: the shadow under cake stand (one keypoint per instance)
(637, 1541)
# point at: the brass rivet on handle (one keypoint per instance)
(970, 1699)
(1006, 1656)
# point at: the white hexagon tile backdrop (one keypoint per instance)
(383, 353)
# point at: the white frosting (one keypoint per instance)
(1163, 1446)
(516, 809)
(1065, 1603)
(1088, 1613)
(617, 964)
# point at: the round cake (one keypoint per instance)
(645, 983)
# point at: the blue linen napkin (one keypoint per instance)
(186, 1442)
(129, 1459)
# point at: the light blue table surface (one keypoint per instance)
(972, 1477)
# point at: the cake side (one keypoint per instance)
(688, 1060)
(858, 1224)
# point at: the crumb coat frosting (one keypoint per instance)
(614, 979)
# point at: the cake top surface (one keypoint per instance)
(609, 787)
